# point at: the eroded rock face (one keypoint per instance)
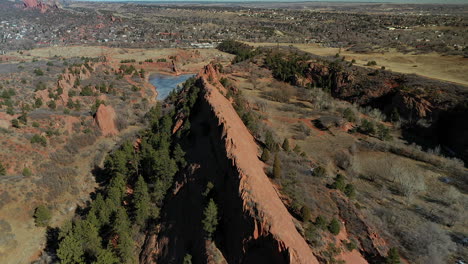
(415, 98)
(105, 119)
(43, 6)
(272, 230)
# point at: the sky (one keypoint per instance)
(344, 1)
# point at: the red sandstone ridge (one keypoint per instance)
(105, 119)
(43, 6)
(260, 199)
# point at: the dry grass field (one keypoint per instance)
(432, 65)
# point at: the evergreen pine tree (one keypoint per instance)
(285, 145)
(305, 213)
(106, 256)
(42, 215)
(211, 218)
(265, 155)
(276, 167)
(141, 202)
(179, 156)
(116, 189)
(334, 227)
(70, 251)
(393, 257)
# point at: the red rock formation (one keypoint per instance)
(43, 6)
(174, 68)
(260, 199)
(412, 105)
(105, 119)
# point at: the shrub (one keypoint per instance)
(367, 127)
(10, 110)
(38, 102)
(15, 123)
(351, 245)
(27, 172)
(42, 216)
(187, 259)
(265, 155)
(334, 227)
(277, 167)
(285, 145)
(350, 191)
(393, 257)
(383, 132)
(349, 115)
(52, 105)
(319, 171)
(35, 124)
(339, 183)
(39, 140)
(305, 214)
(320, 222)
(371, 63)
(38, 72)
(2, 170)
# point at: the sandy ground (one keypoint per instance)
(115, 53)
(432, 65)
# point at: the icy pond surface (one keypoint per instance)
(165, 83)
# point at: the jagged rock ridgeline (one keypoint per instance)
(272, 223)
(42, 5)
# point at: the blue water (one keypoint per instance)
(165, 83)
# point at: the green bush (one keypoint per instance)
(351, 245)
(15, 123)
(305, 214)
(52, 105)
(265, 155)
(339, 183)
(38, 102)
(350, 191)
(393, 257)
(367, 127)
(334, 227)
(39, 140)
(38, 72)
(27, 172)
(285, 145)
(319, 171)
(320, 222)
(2, 170)
(277, 167)
(349, 115)
(42, 215)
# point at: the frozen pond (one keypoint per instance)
(165, 83)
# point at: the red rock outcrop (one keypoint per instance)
(174, 68)
(261, 202)
(255, 226)
(105, 119)
(43, 6)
